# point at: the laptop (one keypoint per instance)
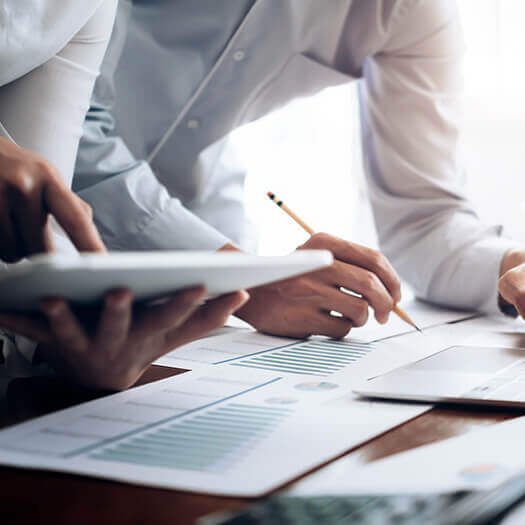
(460, 374)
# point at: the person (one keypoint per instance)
(180, 76)
(49, 59)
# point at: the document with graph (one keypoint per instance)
(251, 350)
(224, 430)
(316, 356)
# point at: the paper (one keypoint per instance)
(425, 315)
(247, 348)
(480, 459)
(256, 412)
(225, 431)
(319, 357)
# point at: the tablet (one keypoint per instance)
(85, 278)
(477, 375)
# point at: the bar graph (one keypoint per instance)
(211, 441)
(314, 357)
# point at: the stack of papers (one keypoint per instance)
(477, 460)
(256, 412)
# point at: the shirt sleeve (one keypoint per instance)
(132, 209)
(410, 119)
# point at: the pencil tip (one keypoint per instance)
(418, 329)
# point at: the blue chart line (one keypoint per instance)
(317, 358)
(207, 442)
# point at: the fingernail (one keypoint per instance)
(245, 296)
(121, 299)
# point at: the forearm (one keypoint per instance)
(454, 260)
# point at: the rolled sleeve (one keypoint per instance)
(133, 211)
(411, 118)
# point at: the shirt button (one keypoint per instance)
(193, 123)
(239, 55)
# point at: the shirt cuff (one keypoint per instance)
(176, 228)
(133, 211)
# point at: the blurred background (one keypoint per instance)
(304, 150)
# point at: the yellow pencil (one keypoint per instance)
(397, 310)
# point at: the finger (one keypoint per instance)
(353, 308)
(27, 325)
(211, 316)
(364, 257)
(115, 322)
(364, 283)
(74, 215)
(10, 245)
(322, 323)
(65, 327)
(170, 314)
(31, 220)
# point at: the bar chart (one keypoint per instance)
(314, 357)
(212, 441)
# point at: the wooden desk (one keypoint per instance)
(35, 497)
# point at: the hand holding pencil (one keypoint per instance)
(373, 265)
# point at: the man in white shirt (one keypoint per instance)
(180, 76)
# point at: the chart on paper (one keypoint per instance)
(314, 357)
(203, 431)
(212, 441)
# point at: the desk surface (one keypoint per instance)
(28, 496)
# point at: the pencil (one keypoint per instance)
(397, 309)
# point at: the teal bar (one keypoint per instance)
(317, 358)
(277, 369)
(295, 363)
(182, 442)
(209, 437)
(257, 407)
(269, 418)
(198, 468)
(204, 453)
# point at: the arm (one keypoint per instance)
(109, 178)
(410, 114)
(41, 115)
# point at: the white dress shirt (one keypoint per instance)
(180, 76)
(42, 108)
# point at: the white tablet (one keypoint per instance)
(479, 375)
(85, 278)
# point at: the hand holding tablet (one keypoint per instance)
(111, 349)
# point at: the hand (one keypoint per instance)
(511, 284)
(301, 306)
(112, 353)
(31, 189)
